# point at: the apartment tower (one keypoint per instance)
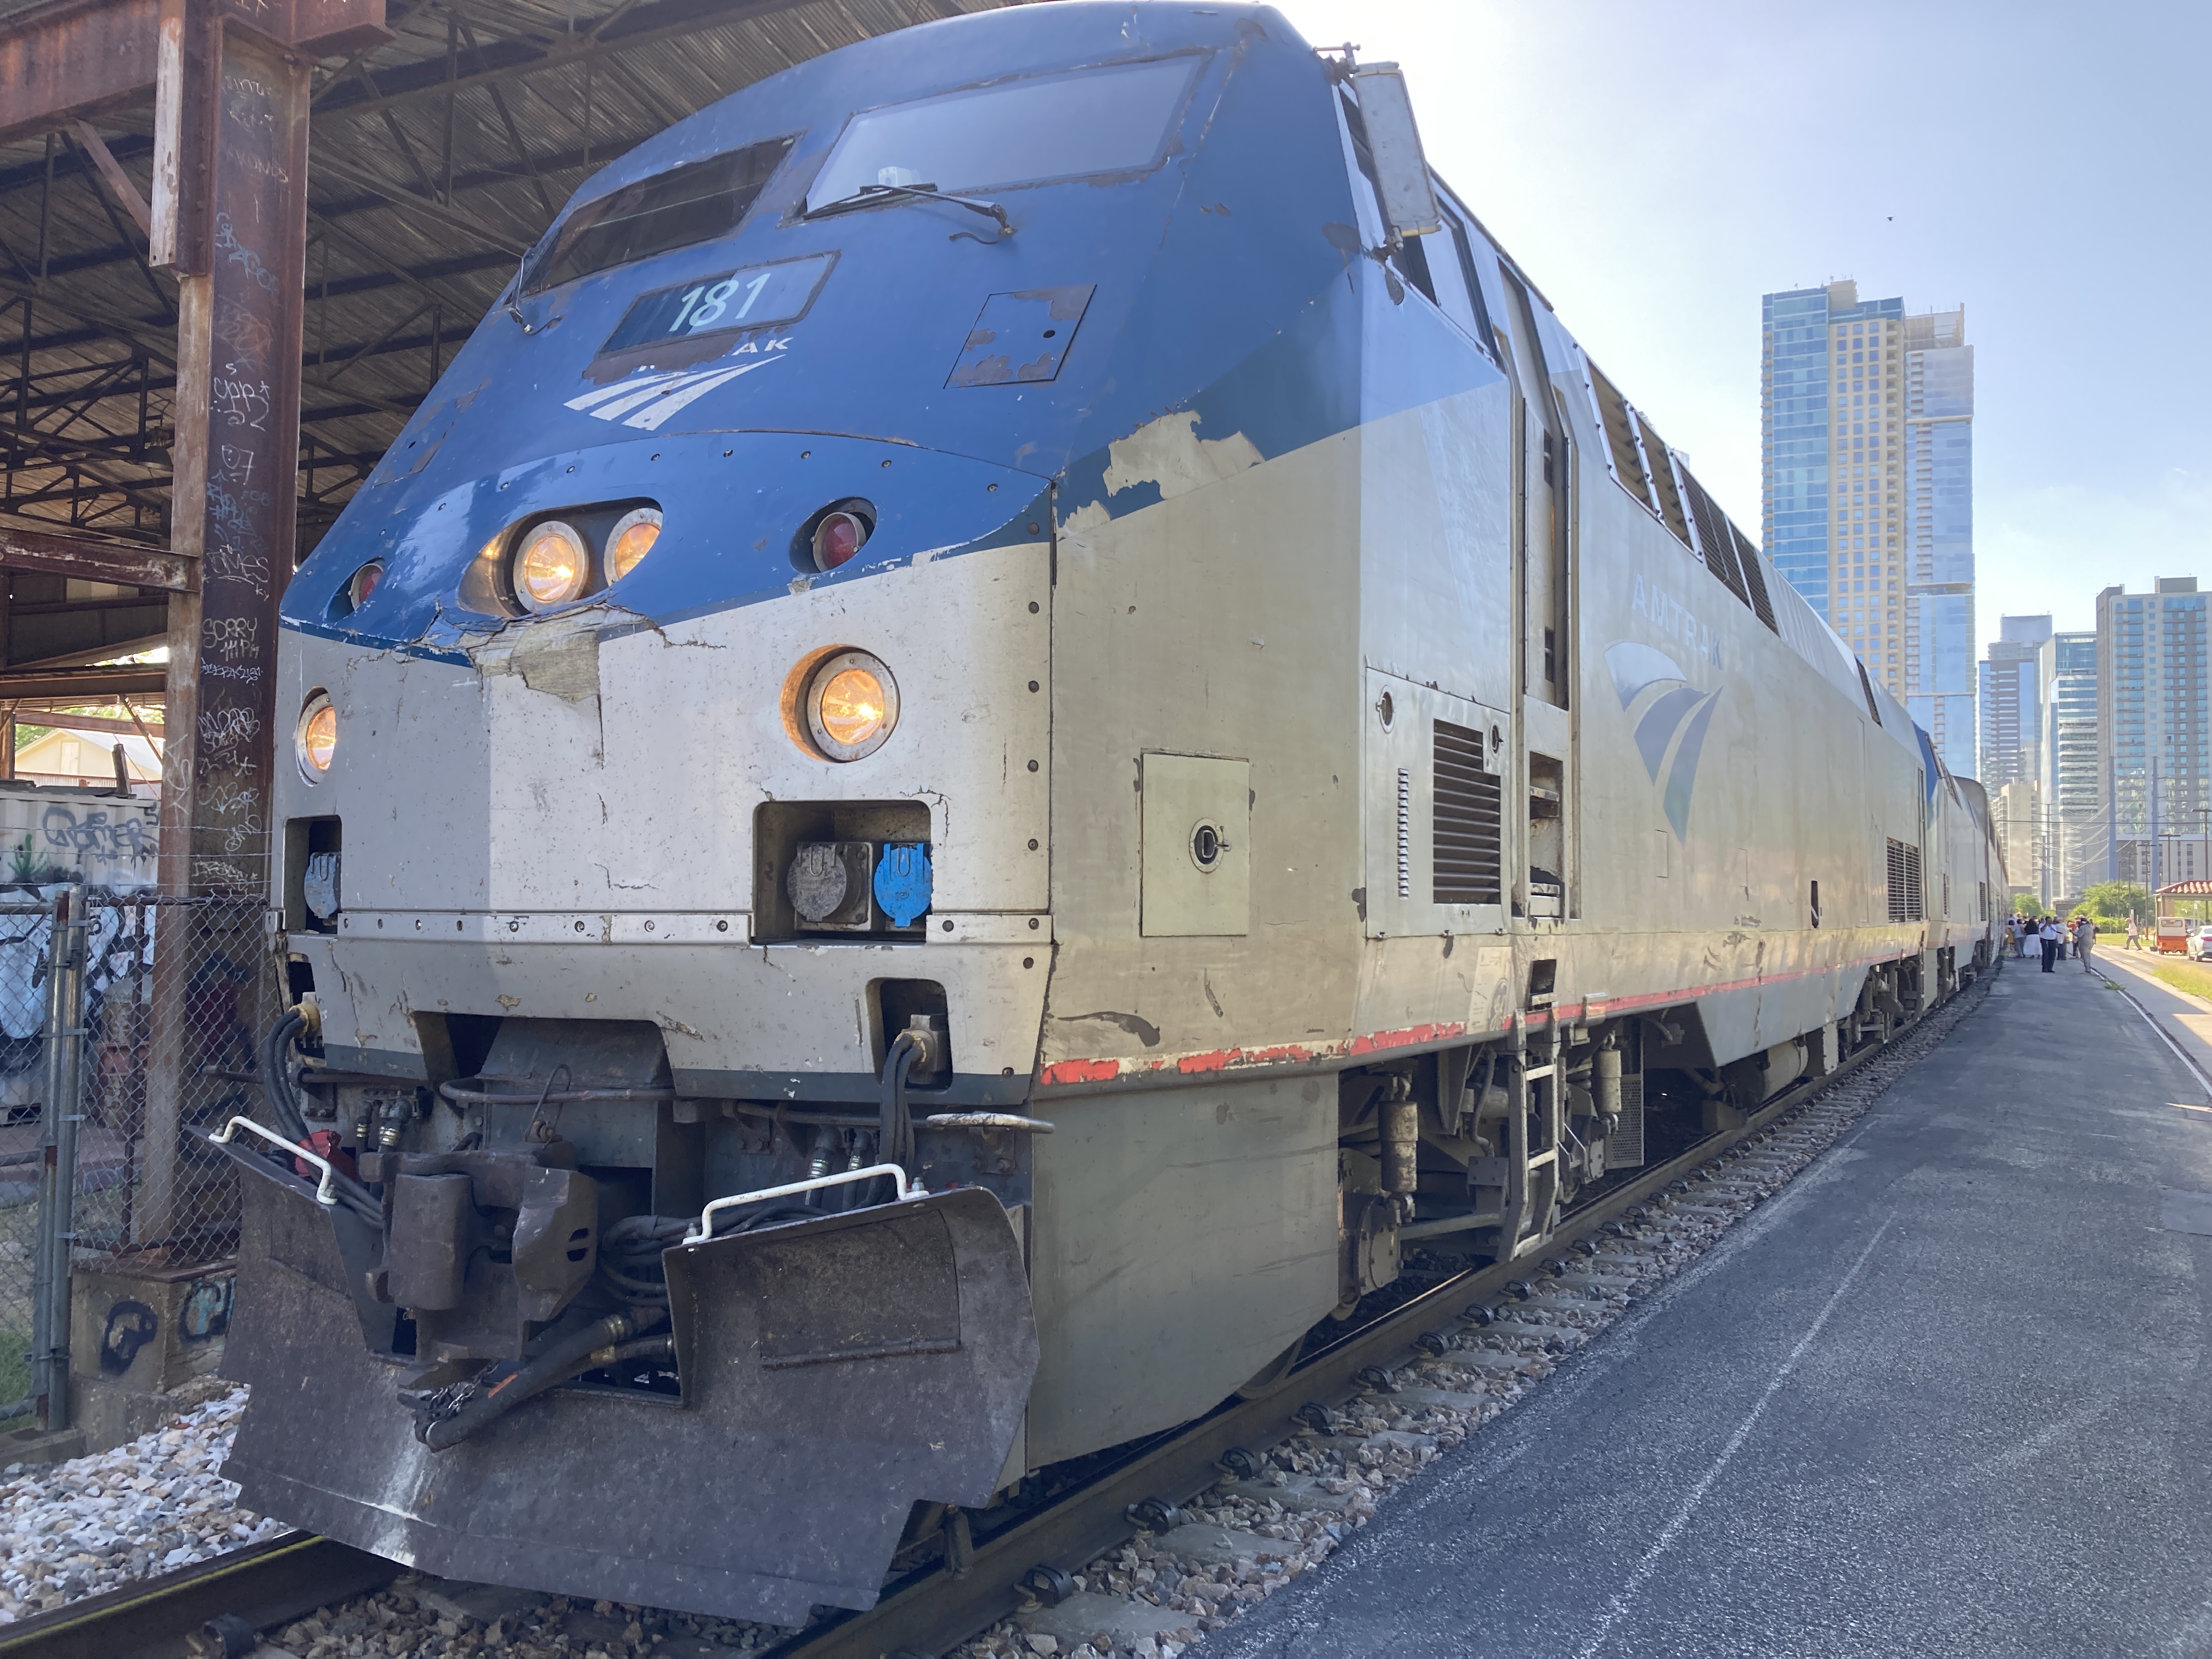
(2153, 750)
(2012, 700)
(2069, 775)
(1867, 442)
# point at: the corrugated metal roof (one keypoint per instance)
(437, 159)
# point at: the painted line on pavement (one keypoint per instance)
(2165, 1036)
(1673, 1529)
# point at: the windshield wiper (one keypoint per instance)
(869, 195)
(513, 296)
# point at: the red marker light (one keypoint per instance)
(364, 583)
(836, 539)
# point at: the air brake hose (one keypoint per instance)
(895, 1127)
(276, 1078)
(577, 1351)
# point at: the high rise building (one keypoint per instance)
(1939, 531)
(1867, 442)
(2153, 750)
(2017, 811)
(2070, 780)
(2012, 700)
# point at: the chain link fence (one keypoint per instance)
(25, 958)
(129, 1025)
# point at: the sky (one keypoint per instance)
(1657, 168)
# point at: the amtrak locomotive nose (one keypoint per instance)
(1018, 720)
(670, 822)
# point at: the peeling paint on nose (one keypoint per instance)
(1169, 453)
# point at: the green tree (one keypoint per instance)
(2115, 901)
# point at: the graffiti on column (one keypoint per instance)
(252, 446)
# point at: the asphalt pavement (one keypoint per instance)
(1948, 1394)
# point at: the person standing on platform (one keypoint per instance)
(2084, 939)
(2048, 934)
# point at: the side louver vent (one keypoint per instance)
(1469, 803)
(1747, 558)
(1906, 903)
(1714, 539)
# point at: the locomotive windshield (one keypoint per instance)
(1030, 131)
(695, 202)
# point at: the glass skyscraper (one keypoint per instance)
(2154, 749)
(2012, 701)
(1939, 521)
(2068, 768)
(1867, 462)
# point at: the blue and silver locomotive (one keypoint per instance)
(1020, 717)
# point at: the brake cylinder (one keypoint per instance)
(1608, 1085)
(1401, 1138)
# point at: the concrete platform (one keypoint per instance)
(1948, 1394)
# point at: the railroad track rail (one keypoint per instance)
(221, 1603)
(217, 1605)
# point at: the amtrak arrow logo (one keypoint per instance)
(1674, 720)
(647, 400)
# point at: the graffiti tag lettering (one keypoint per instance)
(226, 243)
(230, 637)
(240, 402)
(93, 836)
(225, 564)
(225, 733)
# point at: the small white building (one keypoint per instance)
(86, 760)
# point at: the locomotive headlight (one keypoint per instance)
(551, 566)
(630, 540)
(852, 705)
(317, 738)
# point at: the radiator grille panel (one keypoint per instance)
(1714, 539)
(1906, 903)
(1747, 558)
(1468, 802)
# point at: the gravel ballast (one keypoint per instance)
(73, 1529)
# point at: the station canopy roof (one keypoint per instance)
(437, 159)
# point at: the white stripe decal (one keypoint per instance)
(620, 388)
(649, 418)
(618, 407)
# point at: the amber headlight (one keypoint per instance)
(551, 566)
(852, 705)
(630, 540)
(318, 737)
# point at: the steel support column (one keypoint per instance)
(234, 505)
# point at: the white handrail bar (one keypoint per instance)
(706, 1227)
(326, 1194)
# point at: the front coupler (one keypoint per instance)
(833, 1373)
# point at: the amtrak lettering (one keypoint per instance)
(1671, 616)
